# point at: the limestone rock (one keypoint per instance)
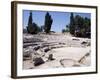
(38, 61)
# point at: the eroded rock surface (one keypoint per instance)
(55, 50)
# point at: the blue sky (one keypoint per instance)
(60, 19)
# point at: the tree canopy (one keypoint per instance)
(80, 26)
(32, 27)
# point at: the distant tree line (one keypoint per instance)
(33, 28)
(79, 26)
(66, 29)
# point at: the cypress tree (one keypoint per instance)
(30, 27)
(72, 28)
(30, 19)
(48, 22)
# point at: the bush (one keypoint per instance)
(33, 29)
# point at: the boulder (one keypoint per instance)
(38, 61)
(50, 57)
(36, 48)
(84, 42)
(46, 49)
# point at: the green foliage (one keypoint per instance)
(32, 28)
(80, 26)
(30, 19)
(48, 22)
(72, 28)
(65, 30)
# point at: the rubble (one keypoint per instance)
(55, 50)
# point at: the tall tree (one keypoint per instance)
(72, 28)
(80, 26)
(30, 27)
(48, 22)
(30, 19)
